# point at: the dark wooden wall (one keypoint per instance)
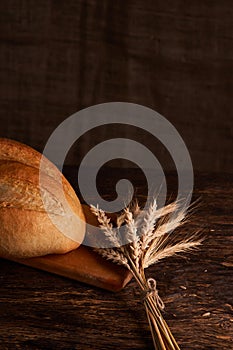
(174, 56)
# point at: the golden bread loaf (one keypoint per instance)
(28, 227)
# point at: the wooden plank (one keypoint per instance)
(83, 264)
(44, 311)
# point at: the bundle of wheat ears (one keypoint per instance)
(150, 237)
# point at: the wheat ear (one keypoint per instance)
(106, 226)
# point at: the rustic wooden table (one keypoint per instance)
(44, 311)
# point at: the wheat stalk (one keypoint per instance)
(106, 226)
(132, 237)
(113, 255)
(170, 251)
(150, 236)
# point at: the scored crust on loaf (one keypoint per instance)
(26, 228)
(15, 151)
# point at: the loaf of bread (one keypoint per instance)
(36, 218)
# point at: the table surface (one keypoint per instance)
(44, 311)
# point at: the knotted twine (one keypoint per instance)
(152, 291)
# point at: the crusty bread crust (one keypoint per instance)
(26, 228)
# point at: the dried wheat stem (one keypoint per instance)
(168, 251)
(106, 226)
(132, 237)
(113, 255)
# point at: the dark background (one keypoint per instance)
(173, 56)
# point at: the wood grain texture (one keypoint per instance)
(83, 265)
(44, 311)
(58, 57)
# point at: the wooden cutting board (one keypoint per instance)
(84, 265)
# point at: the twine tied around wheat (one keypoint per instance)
(152, 291)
